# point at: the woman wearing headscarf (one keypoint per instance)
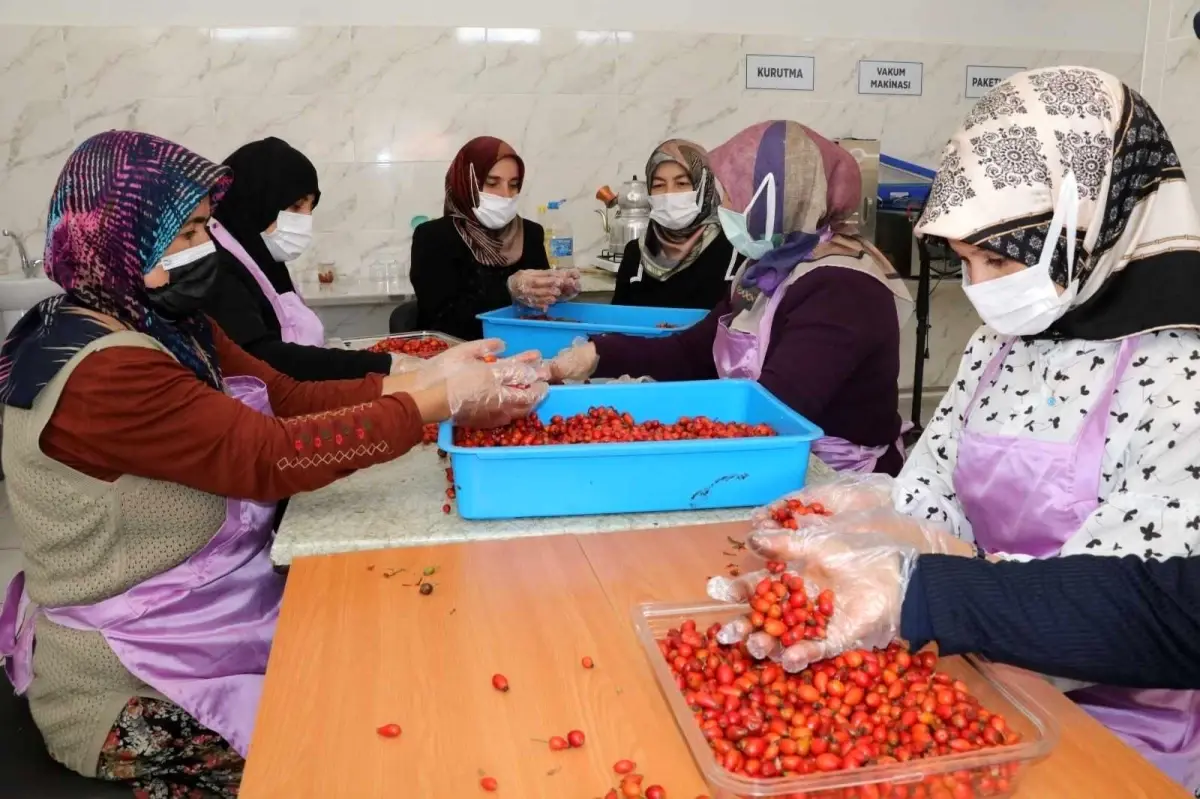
(264, 222)
(683, 260)
(1072, 426)
(480, 255)
(813, 315)
(143, 454)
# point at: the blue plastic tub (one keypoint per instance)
(550, 338)
(586, 479)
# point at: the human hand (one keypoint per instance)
(493, 394)
(570, 284)
(576, 362)
(535, 288)
(868, 576)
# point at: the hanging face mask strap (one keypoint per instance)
(732, 270)
(1065, 219)
(768, 183)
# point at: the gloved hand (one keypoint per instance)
(844, 494)
(770, 541)
(403, 364)
(493, 394)
(576, 362)
(570, 284)
(541, 288)
(868, 575)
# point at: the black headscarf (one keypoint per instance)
(268, 176)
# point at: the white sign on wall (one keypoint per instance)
(891, 77)
(980, 80)
(788, 72)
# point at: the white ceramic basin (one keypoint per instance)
(20, 294)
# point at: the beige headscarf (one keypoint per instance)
(1138, 246)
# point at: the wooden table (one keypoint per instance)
(356, 649)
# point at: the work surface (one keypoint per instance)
(357, 649)
(399, 504)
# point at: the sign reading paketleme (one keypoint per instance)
(788, 72)
(891, 77)
(980, 80)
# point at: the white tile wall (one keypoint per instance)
(1172, 73)
(383, 109)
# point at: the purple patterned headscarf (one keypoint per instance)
(818, 187)
(121, 199)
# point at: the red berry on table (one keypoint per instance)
(588, 663)
(624, 766)
(656, 792)
(558, 743)
(489, 784)
(446, 508)
(389, 731)
(575, 738)
(500, 682)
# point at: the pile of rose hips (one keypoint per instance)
(782, 609)
(859, 709)
(423, 347)
(786, 512)
(604, 425)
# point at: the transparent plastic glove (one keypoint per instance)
(467, 352)
(403, 364)
(868, 575)
(771, 542)
(536, 288)
(843, 494)
(576, 362)
(493, 394)
(570, 284)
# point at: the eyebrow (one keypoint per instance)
(198, 219)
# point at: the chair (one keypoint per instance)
(403, 318)
(26, 769)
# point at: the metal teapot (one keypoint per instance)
(625, 215)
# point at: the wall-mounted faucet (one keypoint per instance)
(28, 268)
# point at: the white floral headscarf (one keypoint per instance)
(1138, 245)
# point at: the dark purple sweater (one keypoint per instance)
(834, 356)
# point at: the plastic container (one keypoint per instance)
(364, 343)
(588, 479)
(559, 238)
(1038, 729)
(590, 319)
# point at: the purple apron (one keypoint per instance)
(297, 322)
(1027, 497)
(739, 354)
(198, 633)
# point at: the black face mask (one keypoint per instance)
(186, 288)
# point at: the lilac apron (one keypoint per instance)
(1027, 497)
(297, 322)
(198, 633)
(740, 354)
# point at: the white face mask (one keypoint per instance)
(291, 236)
(676, 210)
(1027, 302)
(495, 212)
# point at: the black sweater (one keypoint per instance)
(238, 305)
(701, 285)
(452, 287)
(1115, 621)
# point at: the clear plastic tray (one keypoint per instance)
(364, 343)
(1039, 732)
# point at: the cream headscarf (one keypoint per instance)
(1138, 246)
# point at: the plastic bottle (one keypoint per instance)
(562, 243)
(545, 223)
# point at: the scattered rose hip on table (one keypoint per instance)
(489, 784)
(575, 738)
(426, 589)
(588, 663)
(656, 792)
(624, 766)
(603, 426)
(558, 743)
(500, 682)
(389, 731)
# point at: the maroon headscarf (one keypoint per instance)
(476, 158)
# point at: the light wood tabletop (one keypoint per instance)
(357, 649)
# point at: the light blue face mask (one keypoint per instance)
(736, 227)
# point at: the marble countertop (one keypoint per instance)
(399, 504)
(366, 292)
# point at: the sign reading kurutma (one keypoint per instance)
(787, 72)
